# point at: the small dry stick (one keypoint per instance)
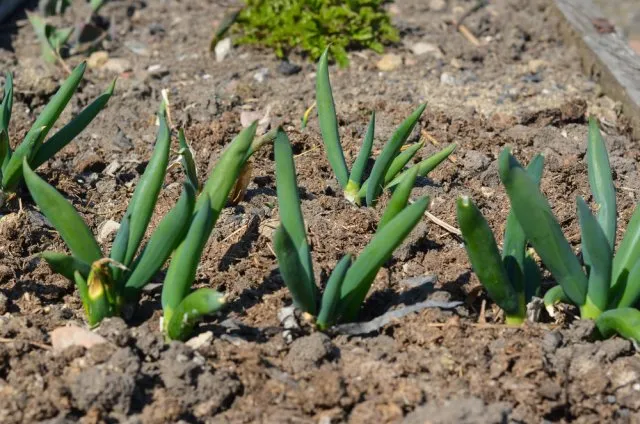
(481, 318)
(435, 142)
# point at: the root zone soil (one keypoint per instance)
(522, 87)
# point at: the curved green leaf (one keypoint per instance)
(331, 297)
(357, 170)
(541, 228)
(33, 140)
(70, 131)
(292, 221)
(361, 274)
(389, 152)
(631, 294)
(187, 160)
(601, 182)
(399, 199)
(401, 160)
(594, 242)
(628, 253)
(329, 121)
(183, 267)
(191, 310)
(486, 260)
(623, 321)
(163, 241)
(65, 265)
(427, 165)
(63, 217)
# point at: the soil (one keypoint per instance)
(522, 87)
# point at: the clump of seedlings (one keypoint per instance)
(33, 149)
(182, 307)
(310, 26)
(605, 287)
(350, 280)
(389, 167)
(513, 277)
(106, 282)
(56, 42)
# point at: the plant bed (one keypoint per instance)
(523, 88)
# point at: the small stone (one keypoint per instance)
(437, 5)
(72, 335)
(200, 340)
(157, 71)
(423, 48)
(117, 65)
(448, 79)
(222, 49)
(97, 59)
(261, 75)
(137, 47)
(288, 68)
(107, 229)
(389, 62)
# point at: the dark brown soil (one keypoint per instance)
(522, 87)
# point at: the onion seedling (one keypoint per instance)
(605, 287)
(182, 308)
(388, 168)
(105, 282)
(513, 278)
(33, 149)
(350, 280)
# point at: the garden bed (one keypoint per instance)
(521, 87)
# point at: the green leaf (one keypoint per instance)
(541, 228)
(63, 217)
(183, 267)
(293, 234)
(628, 253)
(427, 165)
(191, 310)
(42, 31)
(601, 182)
(532, 279)
(170, 232)
(513, 250)
(623, 321)
(226, 172)
(70, 131)
(361, 274)
(187, 160)
(83, 291)
(33, 140)
(594, 242)
(5, 117)
(631, 293)
(65, 265)
(357, 170)
(293, 271)
(486, 260)
(554, 296)
(331, 297)
(144, 199)
(401, 160)
(399, 199)
(389, 152)
(329, 121)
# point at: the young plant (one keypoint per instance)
(513, 278)
(350, 280)
(105, 282)
(388, 168)
(182, 307)
(33, 149)
(285, 25)
(604, 286)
